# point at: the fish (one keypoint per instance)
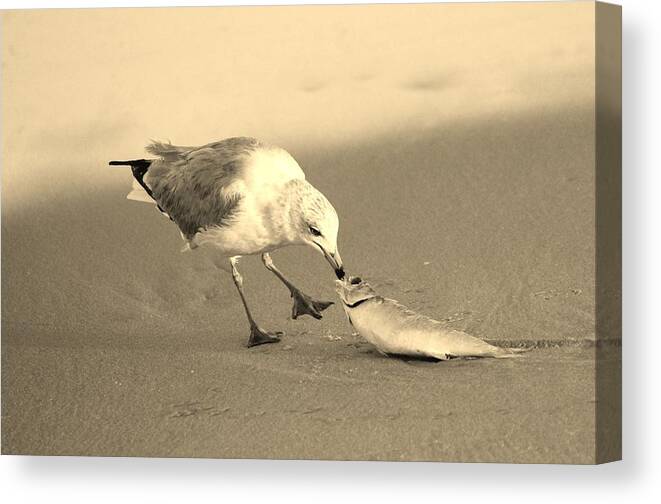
(394, 329)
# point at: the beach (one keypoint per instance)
(117, 343)
(463, 173)
(310, 398)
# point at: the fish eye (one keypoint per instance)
(314, 231)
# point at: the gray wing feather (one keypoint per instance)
(189, 182)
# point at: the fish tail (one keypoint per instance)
(509, 353)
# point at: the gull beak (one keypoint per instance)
(336, 262)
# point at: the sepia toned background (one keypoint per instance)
(456, 143)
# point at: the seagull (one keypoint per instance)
(242, 197)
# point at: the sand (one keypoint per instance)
(116, 343)
(309, 398)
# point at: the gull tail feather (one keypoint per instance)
(140, 190)
(139, 194)
(139, 168)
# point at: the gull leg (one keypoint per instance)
(303, 304)
(257, 335)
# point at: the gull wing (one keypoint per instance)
(194, 184)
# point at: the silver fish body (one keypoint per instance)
(394, 329)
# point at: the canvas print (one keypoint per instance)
(376, 232)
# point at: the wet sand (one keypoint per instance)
(115, 343)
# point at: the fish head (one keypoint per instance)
(353, 291)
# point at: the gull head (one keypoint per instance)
(317, 224)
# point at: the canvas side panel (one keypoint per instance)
(608, 214)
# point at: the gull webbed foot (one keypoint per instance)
(260, 337)
(305, 305)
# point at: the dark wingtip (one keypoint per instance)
(133, 163)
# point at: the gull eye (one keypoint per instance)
(314, 231)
